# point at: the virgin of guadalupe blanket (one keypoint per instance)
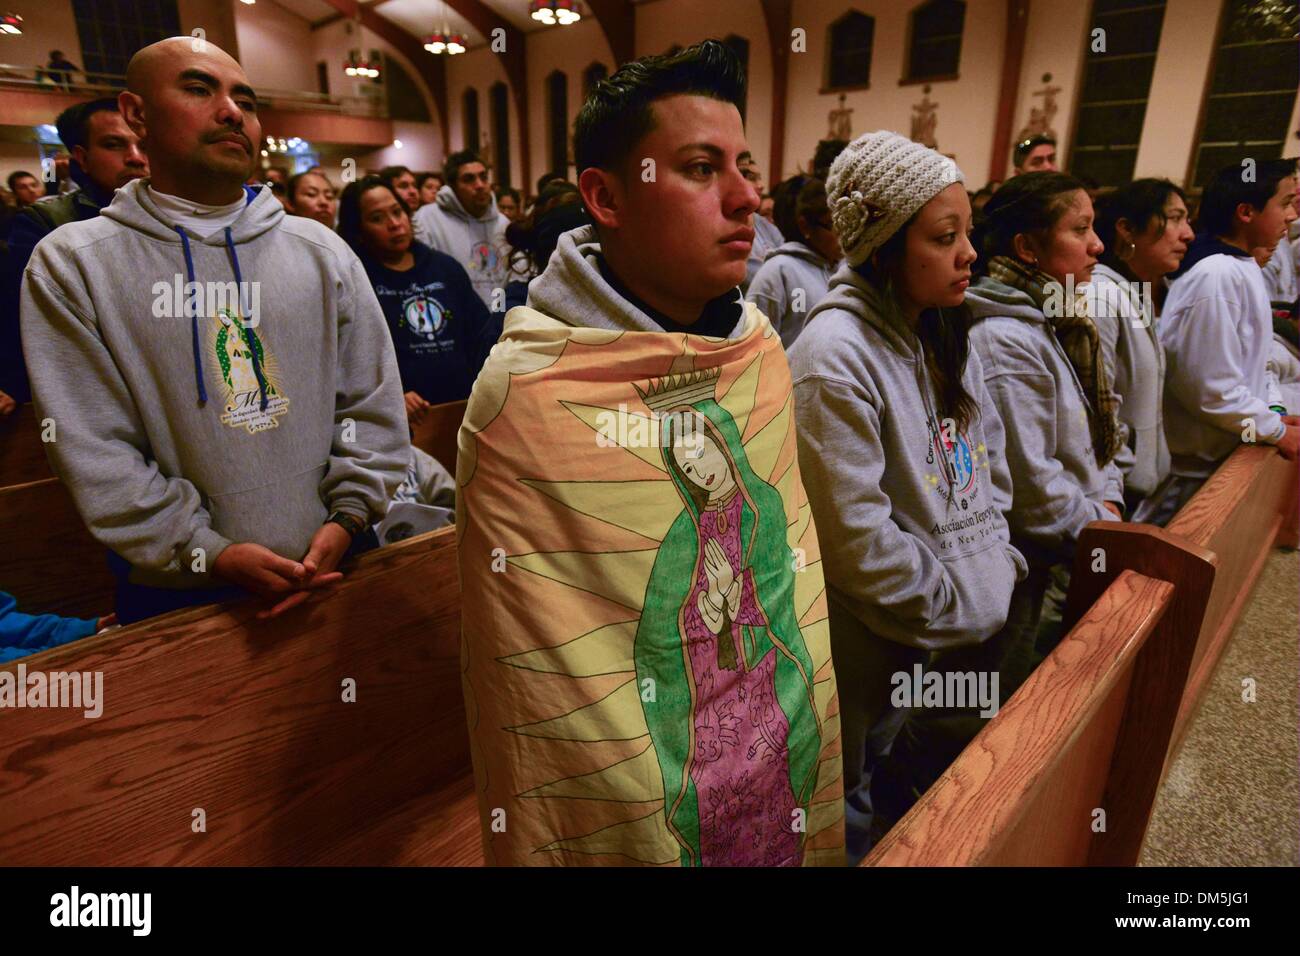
(645, 652)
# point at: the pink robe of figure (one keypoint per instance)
(741, 769)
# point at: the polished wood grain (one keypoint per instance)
(1024, 791)
(48, 560)
(1245, 509)
(211, 708)
(22, 455)
(436, 434)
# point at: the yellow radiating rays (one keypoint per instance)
(606, 650)
(617, 576)
(617, 716)
(647, 507)
(637, 779)
(658, 502)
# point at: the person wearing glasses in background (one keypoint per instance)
(1037, 154)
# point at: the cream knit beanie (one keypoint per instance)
(877, 184)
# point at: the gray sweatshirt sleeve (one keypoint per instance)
(437, 487)
(893, 582)
(1050, 508)
(100, 448)
(768, 293)
(370, 452)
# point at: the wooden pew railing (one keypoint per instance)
(1096, 724)
(22, 455)
(50, 562)
(211, 709)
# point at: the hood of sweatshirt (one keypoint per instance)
(450, 203)
(989, 297)
(852, 293)
(574, 290)
(1204, 246)
(798, 251)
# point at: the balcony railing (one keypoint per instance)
(41, 79)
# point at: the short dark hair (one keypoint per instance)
(509, 191)
(73, 123)
(548, 178)
(1141, 202)
(18, 174)
(390, 173)
(1030, 203)
(350, 207)
(451, 172)
(422, 178)
(617, 114)
(828, 150)
(1026, 146)
(785, 201)
(1228, 189)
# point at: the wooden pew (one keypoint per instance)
(1247, 508)
(1088, 730)
(22, 455)
(211, 708)
(436, 435)
(48, 560)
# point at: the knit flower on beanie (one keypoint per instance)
(877, 184)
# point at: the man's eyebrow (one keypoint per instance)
(241, 89)
(704, 147)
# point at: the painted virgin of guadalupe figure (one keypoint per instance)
(732, 716)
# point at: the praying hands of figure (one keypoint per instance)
(723, 591)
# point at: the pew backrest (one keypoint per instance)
(1070, 742)
(22, 455)
(436, 434)
(284, 739)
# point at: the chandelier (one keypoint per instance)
(449, 43)
(11, 23)
(355, 65)
(563, 12)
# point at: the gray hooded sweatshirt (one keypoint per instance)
(575, 290)
(1057, 487)
(179, 432)
(910, 512)
(788, 286)
(477, 244)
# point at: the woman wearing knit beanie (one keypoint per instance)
(902, 456)
(1045, 368)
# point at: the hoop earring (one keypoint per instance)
(1125, 252)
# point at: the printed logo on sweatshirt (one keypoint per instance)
(424, 316)
(958, 476)
(484, 258)
(241, 355)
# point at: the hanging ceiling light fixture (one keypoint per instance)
(11, 23)
(444, 40)
(563, 12)
(356, 65)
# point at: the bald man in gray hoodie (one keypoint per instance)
(219, 437)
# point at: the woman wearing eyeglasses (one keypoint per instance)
(796, 274)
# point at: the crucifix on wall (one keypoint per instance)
(841, 121)
(1040, 120)
(925, 119)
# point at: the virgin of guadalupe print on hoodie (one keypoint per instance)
(649, 681)
(241, 357)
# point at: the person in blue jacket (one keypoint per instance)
(23, 634)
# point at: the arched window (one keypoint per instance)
(1116, 84)
(499, 97)
(557, 104)
(740, 46)
(469, 116)
(591, 76)
(848, 64)
(934, 52)
(1248, 104)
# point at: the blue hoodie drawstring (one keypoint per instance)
(248, 335)
(193, 310)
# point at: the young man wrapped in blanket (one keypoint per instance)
(645, 651)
